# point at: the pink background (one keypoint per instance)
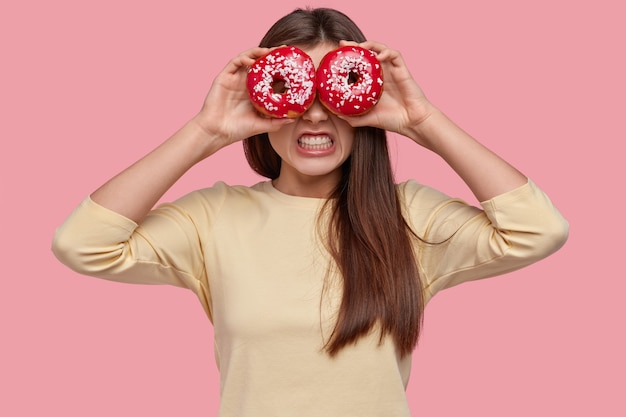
(87, 87)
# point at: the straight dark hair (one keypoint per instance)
(367, 236)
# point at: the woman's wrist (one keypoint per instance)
(425, 129)
(205, 140)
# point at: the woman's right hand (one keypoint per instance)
(227, 114)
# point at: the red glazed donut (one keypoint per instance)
(349, 80)
(282, 83)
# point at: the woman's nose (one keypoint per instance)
(316, 113)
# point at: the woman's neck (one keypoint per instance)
(306, 186)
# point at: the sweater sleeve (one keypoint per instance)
(165, 249)
(463, 243)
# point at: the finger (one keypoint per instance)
(377, 47)
(276, 124)
(348, 43)
(383, 52)
(246, 59)
(270, 124)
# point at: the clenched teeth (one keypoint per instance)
(315, 140)
(315, 143)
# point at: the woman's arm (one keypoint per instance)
(114, 234)
(227, 116)
(485, 173)
(134, 191)
(404, 109)
(518, 225)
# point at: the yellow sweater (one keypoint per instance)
(253, 257)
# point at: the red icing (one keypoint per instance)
(349, 80)
(293, 69)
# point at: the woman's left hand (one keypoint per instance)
(403, 105)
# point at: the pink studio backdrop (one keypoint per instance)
(88, 87)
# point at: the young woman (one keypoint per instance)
(315, 280)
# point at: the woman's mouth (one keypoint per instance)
(315, 143)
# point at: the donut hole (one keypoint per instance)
(353, 77)
(279, 87)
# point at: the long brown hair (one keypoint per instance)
(367, 237)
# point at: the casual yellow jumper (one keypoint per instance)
(254, 258)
